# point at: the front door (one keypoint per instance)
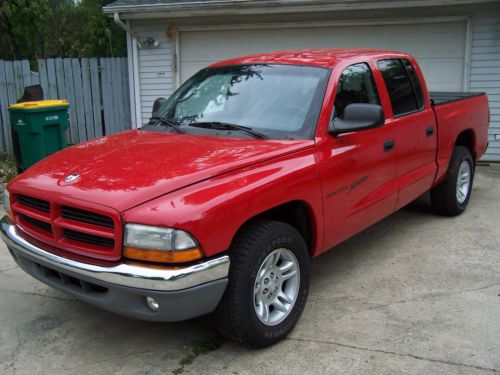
(358, 174)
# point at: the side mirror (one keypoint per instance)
(358, 116)
(157, 105)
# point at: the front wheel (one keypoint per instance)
(452, 195)
(268, 284)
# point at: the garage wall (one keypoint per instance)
(485, 72)
(156, 78)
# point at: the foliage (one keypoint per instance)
(8, 168)
(33, 29)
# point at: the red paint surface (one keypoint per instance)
(210, 186)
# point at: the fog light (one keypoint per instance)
(152, 304)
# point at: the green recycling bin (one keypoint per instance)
(38, 130)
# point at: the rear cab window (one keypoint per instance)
(356, 85)
(403, 86)
(417, 87)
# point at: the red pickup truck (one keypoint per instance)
(251, 168)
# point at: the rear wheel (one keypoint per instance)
(452, 195)
(268, 284)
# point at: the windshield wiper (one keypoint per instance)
(226, 126)
(174, 125)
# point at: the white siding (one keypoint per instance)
(156, 78)
(485, 72)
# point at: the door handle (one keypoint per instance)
(429, 130)
(388, 145)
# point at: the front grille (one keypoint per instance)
(77, 230)
(37, 204)
(37, 223)
(89, 238)
(86, 217)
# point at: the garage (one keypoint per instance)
(439, 46)
(457, 43)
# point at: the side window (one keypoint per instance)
(399, 86)
(356, 85)
(416, 83)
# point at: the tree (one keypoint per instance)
(33, 29)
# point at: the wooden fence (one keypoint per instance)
(97, 91)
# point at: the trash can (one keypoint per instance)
(38, 130)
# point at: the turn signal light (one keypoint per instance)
(162, 256)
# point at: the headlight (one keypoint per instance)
(6, 200)
(159, 244)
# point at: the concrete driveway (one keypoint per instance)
(415, 294)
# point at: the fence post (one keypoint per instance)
(107, 96)
(70, 92)
(96, 97)
(52, 81)
(81, 123)
(4, 104)
(125, 95)
(87, 98)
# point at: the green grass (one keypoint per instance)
(197, 349)
(8, 168)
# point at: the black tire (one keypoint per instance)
(236, 315)
(444, 196)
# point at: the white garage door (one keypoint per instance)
(438, 47)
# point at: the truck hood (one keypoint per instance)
(126, 169)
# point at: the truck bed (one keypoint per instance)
(444, 97)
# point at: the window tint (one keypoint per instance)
(416, 83)
(398, 86)
(355, 86)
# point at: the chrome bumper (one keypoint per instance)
(123, 274)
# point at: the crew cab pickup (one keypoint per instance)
(251, 168)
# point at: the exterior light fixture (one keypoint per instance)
(150, 43)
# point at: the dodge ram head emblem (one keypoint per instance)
(71, 177)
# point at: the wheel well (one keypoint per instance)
(294, 213)
(467, 139)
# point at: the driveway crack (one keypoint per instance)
(408, 355)
(37, 294)
(9, 269)
(425, 296)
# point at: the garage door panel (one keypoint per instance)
(406, 39)
(366, 37)
(327, 37)
(446, 40)
(443, 74)
(439, 47)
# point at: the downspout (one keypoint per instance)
(135, 100)
(126, 28)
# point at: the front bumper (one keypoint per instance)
(181, 293)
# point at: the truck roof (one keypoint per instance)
(323, 57)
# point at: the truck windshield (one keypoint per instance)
(275, 101)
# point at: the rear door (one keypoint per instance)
(414, 124)
(359, 168)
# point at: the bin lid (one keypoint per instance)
(40, 104)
